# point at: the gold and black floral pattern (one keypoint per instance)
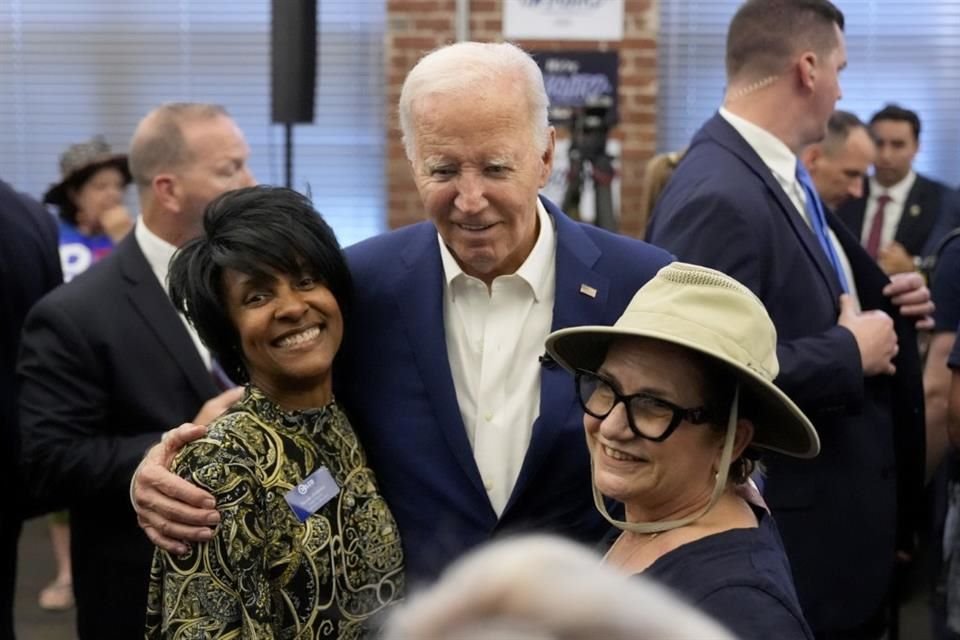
(265, 574)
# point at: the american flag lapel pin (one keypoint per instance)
(587, 290)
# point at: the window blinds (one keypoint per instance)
(903, 52)
(70, 69)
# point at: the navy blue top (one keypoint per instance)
(945, 288)
(945, 291)
(739, 577)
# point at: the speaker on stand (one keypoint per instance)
(293, 58)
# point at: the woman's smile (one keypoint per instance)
(299, 337)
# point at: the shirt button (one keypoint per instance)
(488, 486)
(488, 416)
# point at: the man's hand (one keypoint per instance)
(873, 331)
(170, 509)
(893, 258)
(216, 405)
(909, 292)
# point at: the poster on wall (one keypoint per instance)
(576, 80)
(563, 19)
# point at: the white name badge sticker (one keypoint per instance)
(316, 490)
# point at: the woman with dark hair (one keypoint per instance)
(678, 398)
(306, 546)
(89, 202)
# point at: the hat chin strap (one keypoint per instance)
(666, 525)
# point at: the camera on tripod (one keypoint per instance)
(589, 127)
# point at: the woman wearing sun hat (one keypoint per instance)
(89, 201)
(679, 398)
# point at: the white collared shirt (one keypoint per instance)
(158, 253)
(783, 164)
(494, 340)
(891, 213)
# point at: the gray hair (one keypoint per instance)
(545, 588)
(158, 144)
(839, 127)
(465, 66)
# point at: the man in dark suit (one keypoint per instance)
(739, 203)
(29, 267)
(901, 215)
(469, 434)
(107, 363)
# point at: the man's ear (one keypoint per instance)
(807, 69)
(546, 160)
(166, 191)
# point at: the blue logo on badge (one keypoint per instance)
(310, 495)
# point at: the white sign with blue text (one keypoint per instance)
(563, 19)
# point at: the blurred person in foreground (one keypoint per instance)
(471, 433)
(29, 268)
(307, 544)
(545, 588)
(678, 398)
(107, 363)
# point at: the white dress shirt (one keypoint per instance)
(494, 340)
(783, 164)
(891, 213)
(158, 253)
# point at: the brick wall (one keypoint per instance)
(417, 26)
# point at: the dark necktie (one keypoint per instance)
(818, 222)
(876, 228)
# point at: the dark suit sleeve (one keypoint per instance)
(71, 453)
(820, 371)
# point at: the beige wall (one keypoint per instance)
(417, 26)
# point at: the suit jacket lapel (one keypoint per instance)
(419, 296)
(726, 135)
(150, 301)
(576, 254)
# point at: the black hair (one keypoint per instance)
(719, 383)
(254, 230)
(764, 34)
(66, 206)
(898, 113)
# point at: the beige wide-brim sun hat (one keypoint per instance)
(709, 312)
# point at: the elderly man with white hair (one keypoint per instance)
(470, 431)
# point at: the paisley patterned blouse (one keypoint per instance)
(265, 574)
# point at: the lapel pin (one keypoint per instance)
(587, 290)
(914, 210)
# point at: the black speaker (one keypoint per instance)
(293, 54)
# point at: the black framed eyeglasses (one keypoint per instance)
(648, 416)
